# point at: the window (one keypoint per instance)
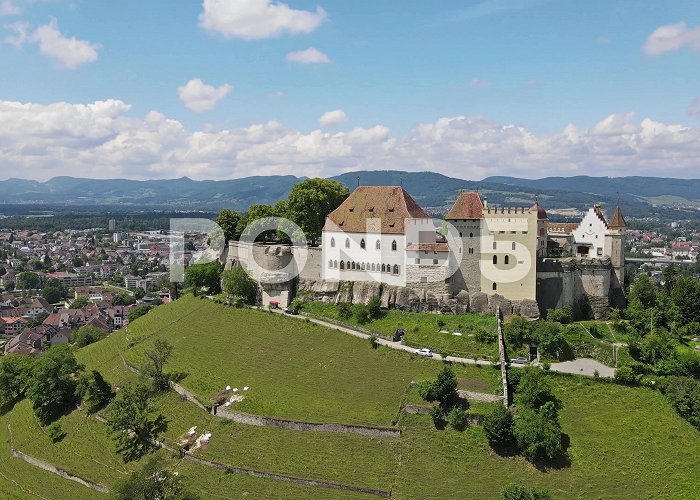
(330, 263)
(471, 235)
(379, 245)
(347, 242)
(541, 231)
(372, 266)
(332, 242)
(505, 260)
(460, 234)
(342, 265)
(383, 268)
(335, 264)
(495, 259)
(396, 269)
(494, 245)
(493, 287)
(393, 246)
(363, 266)
(423, 279)
(471, 250)
(512, 246)
(353, 265)
(435, 261)
(347, 265)
(362, 243)
(417, 260)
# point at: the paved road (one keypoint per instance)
(580, 366)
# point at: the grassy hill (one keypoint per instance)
(624, 442)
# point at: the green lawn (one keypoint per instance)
(422, 329)
(295, 369)
(624, 442)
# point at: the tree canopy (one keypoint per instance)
(237, 282)
(311, 201)
(52, 385)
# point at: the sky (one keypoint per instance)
(220, 89)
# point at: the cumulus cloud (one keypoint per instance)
(333, 117)
(308, 56)
(102, 139)
(8, 8)
(479, 82)
(67, 52)
(257, 19)
(198, 96)
(672, 38)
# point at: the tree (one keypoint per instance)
(37, 320)
(93, 390)
(534, 389)
(123, 299)
(443, 389)
(204, 276)
(133, 423)
(139, 293)
(538, 433)
(237, 282)
(549, 337)
(362, 315)
(153, 481)
(52, 384)
(374, 307)
(228, 221)
(562, 315)
(157, 356)
(498, 425)
(79, 303)
(684, 395)
(53, 294)
(88, 334)
(644, 291)
(686, 295)
(458, 418)
(15, 373)
(518, 330)
(28, 280)
(255, 215)
(310, 201)
(344, 310)
(516, 491)
(670, 275)
(138, 312)
(655, 347)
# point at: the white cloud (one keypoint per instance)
(694, 108)
(198, 96)
(671, 38)
(308, 56)
(276, 94)
(8, 8)
(479, 82)
(68, 52)
(333, 117)
(257, 19)
(102, 139)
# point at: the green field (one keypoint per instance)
(422, 329)
(624, 442)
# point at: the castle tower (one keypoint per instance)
(542, 220)
(467, 215)
(615, 247)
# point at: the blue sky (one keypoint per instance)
(533, 66)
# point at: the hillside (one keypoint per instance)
(622, 439)
(640, 196)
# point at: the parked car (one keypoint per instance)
(520, 360)
(291, 310)
(424, 352)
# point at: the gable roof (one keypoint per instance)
(391, 204)
(468, 205)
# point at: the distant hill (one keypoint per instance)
(640, 196)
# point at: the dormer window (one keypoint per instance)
(332, 242)
(391, 209)
(351, 209)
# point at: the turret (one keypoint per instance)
(615, 245)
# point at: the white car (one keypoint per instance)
(424, 352)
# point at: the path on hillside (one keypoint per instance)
(582, 366)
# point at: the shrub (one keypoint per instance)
(440, 323)
(534, 389)
(236, 281)
(344, 310)
(458, 418)
(437, 415)
(562, 315)
(444, 388)
(498, 426)
(538, 433)
(362, 315)
(684, 395)
(138, 312)
(55, 432)
(86, 335)
(373, 342)
(484, 336)
(516, 491)
(518, 330)
(374, 308)
(625, 375)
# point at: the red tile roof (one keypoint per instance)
(468, 205)
(429, 247)
(391, 204)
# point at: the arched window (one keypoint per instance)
(383, 268)
(342, 265)
(347, 265)
(335, 264)
(495, 259)
(493, 287)
(330, 263)
(512, 246)
(505, 260)
(379, 245)
(393, 246)
(460, 234)
(494, 245)
(347, 242)
(362, 243)
(332, 242)
(363, 267)
(396, 269)
(471, 235)
(372, 266)
(353, 265)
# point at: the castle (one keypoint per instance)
(380, 242)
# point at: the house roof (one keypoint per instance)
(617, 221)
(541, 212)
(429, 247)
(562, 227)
(391, 204)
(468, 205)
